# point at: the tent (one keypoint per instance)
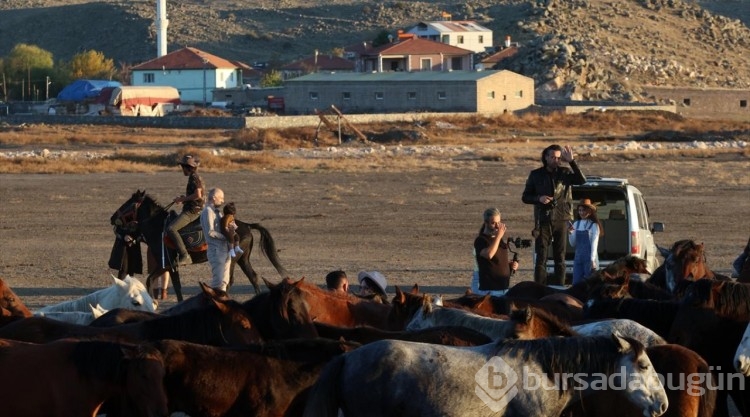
(80, 90)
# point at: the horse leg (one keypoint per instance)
(177, 284)
(247, 268)
(244, 262)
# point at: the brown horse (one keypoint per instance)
(686, 376)
(269, 380)
(715, 337)
(141, 217)
(686, 261)
(10, 303)
(223, 323)
(338, 309)
(74, 378)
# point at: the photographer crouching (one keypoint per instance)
(493, 267)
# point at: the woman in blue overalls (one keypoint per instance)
(584, 236)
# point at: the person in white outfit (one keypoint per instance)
(218, 251)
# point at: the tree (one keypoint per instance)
(25, 70)
(384, 37)
(91, 64)
(272, 78)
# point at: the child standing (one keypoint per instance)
(584, 236)
(233, 239)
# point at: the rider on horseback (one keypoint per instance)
(192, 204)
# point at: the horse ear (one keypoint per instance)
(623, 345)
(400, 298)
(415, 289)
(206, 289)
(468, 292)
(529, 314)
(268, 283)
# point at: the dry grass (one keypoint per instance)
(506, 138)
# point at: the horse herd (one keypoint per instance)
(672, 345)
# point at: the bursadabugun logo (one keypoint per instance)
(496, 384)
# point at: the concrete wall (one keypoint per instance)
(705, 103)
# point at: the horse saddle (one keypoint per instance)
(192, 235)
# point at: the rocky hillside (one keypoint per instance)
(590, 49)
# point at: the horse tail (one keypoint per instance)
(268, 247)
(324, 396)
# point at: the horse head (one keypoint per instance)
(643, 386)
(130, 294)
(10, 302)
(742, 356)
(290, 311)
(534, 323)
(144, 392)
(127, 213)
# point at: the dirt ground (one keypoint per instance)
(413, 226)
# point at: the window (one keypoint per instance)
(481, 38)
(456, 64)
(505, 98)
(148, 78)
(411, 95)
(460, 39)
(519, 93)
(346, 95)
(379, 95)
(426, 64)
(743, 103)
(490, 95)
(313, 95)
(441, 95)
(686, 101)
(445, 38)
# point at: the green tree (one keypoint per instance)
(381, 39)
(272, 78)
(91, 64)
(25, 70)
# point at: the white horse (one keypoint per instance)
(76, 317)
(625, 327)
(742, 357)
(503, 378)
(127, 293)
(433, 315)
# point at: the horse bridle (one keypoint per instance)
(127, 218)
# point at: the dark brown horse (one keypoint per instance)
(715, 337)
(223, 323)
(263, 380)
(74, 378)
(142, 218)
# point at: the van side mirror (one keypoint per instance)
(657, 227)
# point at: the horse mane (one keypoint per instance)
(559, 326)
(302, 349)
(563, 355)
(728, 299)
(99, 359)
(198, 324)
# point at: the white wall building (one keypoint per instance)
(464, 34)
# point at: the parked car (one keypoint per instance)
(624, 215)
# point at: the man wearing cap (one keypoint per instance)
(548, 188)
(192, 204)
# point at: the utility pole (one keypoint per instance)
(46, 94)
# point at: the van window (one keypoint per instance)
(641, 209)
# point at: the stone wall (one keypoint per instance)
(729, 104)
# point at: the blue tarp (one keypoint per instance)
(80, 90)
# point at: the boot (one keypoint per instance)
(238, 250)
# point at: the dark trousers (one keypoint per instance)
(557, 234)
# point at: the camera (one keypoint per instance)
(520, 243)
(553, 203)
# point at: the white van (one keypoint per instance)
(625, 218)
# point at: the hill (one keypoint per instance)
(590, 49)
